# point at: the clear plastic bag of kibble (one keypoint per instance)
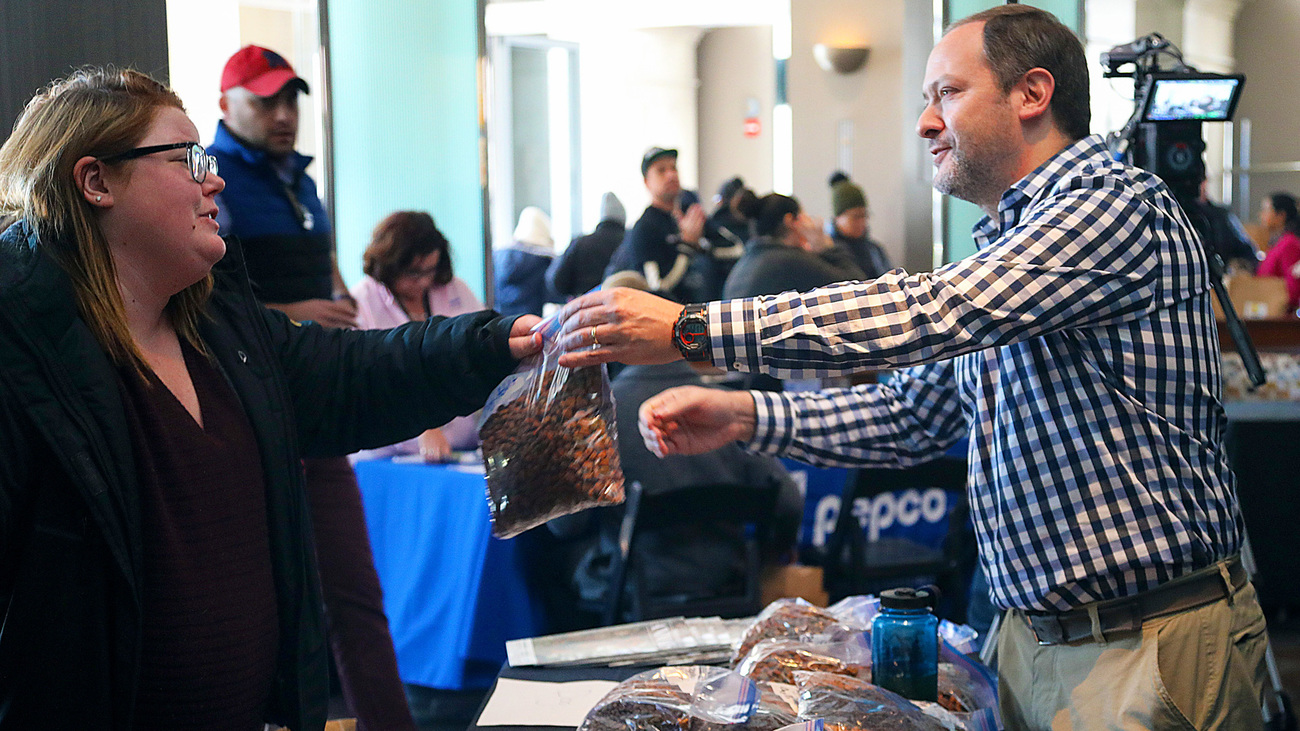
(694, 697)
(793, 618)
(849, 704)
(550, 444)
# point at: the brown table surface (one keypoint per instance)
(1280, 335)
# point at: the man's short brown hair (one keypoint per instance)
(1018, 38)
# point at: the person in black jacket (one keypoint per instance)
(789, 253)
(581, 267)
(662, 243)
(725, 234)
(156, 565)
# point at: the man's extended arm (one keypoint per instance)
(914, 417)
(1083, 257)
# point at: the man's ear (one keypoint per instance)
(224, 104)
(1036, 87)
(89, 175)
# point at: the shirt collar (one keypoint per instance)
(1017, 198)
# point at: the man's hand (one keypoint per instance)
(628, 325)
(330, 313)
(692, 225)
(523, 341)
(694, 420)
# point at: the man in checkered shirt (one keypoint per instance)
(1077, 351)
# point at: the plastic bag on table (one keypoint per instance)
(968, 689)
(550, 444)
(776, 660)
(684, 698)
(849, 704)
(962, 637)
(788, 618)
(856, 611)
(813, 725)
(778, 708)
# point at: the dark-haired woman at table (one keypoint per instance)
(409, 278)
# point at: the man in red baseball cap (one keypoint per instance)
(259, 99)
(271, 206)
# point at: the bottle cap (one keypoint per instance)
(906, 598)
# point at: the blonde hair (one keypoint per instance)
(99, 113)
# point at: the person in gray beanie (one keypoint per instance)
(581, 267)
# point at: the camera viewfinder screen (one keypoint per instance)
(1199, 99)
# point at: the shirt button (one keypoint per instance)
(736, 365)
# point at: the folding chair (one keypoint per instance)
(749, 508)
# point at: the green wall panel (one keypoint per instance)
(405, 123)
(961, 216)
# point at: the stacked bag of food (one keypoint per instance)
(798, 663)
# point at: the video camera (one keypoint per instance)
(1164, 133)
(1163, 136)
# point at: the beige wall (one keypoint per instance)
(638, 88)
(875, 100)
(1160, 16)
(735, 65)
(1267, 42)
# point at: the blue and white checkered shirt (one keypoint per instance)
(1076, 348)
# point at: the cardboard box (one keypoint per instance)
(794, 580)
(1254, 298)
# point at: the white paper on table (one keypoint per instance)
(537, 703)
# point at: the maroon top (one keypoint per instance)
(210, 635)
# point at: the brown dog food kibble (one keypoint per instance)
(551, 455)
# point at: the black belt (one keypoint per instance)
(1096, 621)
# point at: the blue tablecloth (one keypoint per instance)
(431, 537)
(453, 594)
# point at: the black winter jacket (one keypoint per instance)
(770, 267)
(70, 545)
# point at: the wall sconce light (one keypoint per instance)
(841, 59)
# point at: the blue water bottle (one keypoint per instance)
(905, 644)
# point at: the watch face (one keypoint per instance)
(694, 334)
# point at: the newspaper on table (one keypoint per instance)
(671, 641)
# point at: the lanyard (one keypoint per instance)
(300, 212)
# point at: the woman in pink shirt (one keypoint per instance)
(1279, 215)
(409, 277)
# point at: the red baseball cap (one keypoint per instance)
(260, 70)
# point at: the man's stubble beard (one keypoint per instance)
(972, 178)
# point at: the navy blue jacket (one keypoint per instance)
(520, 277)
(581, 267)
(289, 249)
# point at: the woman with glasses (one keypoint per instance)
(408, 277)
(156, 565)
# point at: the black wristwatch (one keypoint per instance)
(691, 333)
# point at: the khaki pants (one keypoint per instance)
(1198, 669)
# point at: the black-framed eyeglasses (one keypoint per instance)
(201, 163)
